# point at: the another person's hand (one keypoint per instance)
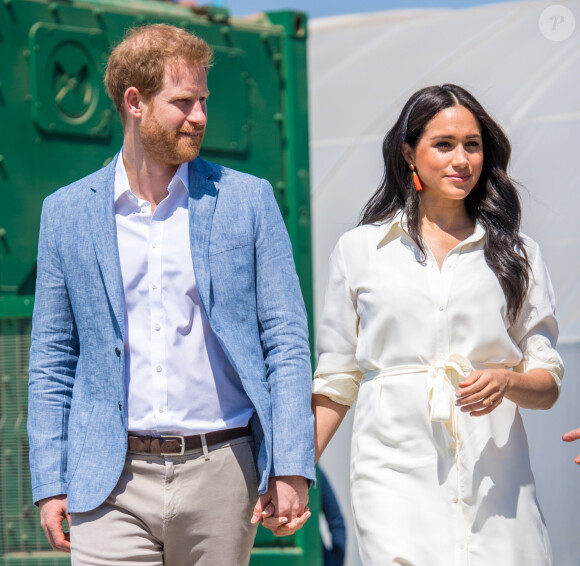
(483, 391)
(570, 436)
(52, 514)
(282, 509)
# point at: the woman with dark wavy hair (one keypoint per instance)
(439, 319)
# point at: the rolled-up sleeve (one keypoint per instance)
(338, 375)
(536, 328)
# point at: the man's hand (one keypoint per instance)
(282, 509)
(52, 514)
(569, 437)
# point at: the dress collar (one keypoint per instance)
(398, 223)
(390, 228)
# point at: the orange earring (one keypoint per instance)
(416, 180)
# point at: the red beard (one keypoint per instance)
(172, 147)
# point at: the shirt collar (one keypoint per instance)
(122, 187)
(182, 174)
(398, 223)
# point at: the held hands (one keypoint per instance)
(569, 437)
(483, 391)
(52, 514)
(282, 509)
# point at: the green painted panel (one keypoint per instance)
(18, 306)
(41, 558)
(20, 532)
(290, 557)
(66, 70)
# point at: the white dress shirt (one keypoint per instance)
(179, 380)
(431, 484)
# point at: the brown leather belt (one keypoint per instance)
(171, 444)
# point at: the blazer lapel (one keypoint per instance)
(104, 234)
(202, 202)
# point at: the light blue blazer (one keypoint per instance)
(247, 283)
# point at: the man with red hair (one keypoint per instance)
(169, 370)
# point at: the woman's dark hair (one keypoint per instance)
(495, 203)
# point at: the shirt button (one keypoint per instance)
(159, 369)
(455, 500)
(157, 327)
(441, 307)
(161, 409)
(155, 244)
(154, 285)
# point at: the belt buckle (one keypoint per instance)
(176, 437)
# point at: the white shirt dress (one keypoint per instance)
(432, 486)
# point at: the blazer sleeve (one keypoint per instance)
(284, 336)
(53, 358)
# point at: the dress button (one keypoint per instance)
(159, 369)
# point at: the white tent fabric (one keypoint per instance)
(362, 69)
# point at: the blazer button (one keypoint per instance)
(118, 352)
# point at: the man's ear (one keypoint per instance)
(133, 102)
(408, 153)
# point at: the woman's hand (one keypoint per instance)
(282, 509)
(483, 391)
(280, 526)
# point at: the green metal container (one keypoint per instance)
(57, 125)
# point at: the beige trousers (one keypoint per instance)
(185, 510)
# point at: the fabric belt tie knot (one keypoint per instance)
(443, 381)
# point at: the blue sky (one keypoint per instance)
(323, 8)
